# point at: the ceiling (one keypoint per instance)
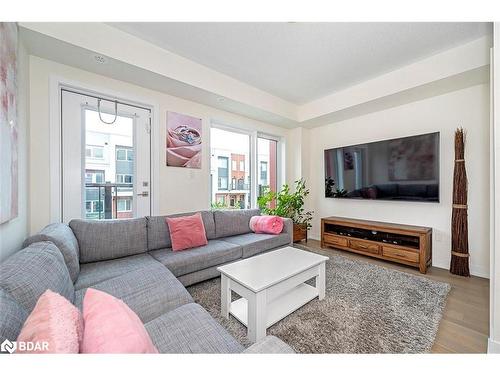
(300, 62)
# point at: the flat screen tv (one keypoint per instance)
(401, 169)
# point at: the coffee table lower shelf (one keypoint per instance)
(278, 308)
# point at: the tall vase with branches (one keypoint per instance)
(459, 227)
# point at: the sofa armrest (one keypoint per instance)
(269, 345)
(63, 237)
(288, 228)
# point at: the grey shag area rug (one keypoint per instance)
(367, 309)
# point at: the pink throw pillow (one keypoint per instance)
(110, 326)
(187, 232)
(54, 326)
(266, 224)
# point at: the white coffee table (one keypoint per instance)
(272, 286)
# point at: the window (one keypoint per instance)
(121, 154)
(263, 172)
(94, 176)
(94, 152)
(241, 184)
(230, 149)
(124, 205)
(238, 184)
(97, 206)
(222, 172)
(124, 153)
(124, 178)
(92, 207)
(267, 157)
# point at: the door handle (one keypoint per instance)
(144, 194)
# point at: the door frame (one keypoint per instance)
(55, 146)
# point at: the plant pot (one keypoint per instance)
(299, 232)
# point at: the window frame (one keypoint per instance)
(261, 170)
(125, 200)
(253, 157)
(124, 176)
(95, 173)
(92, 153)
(127, 149)
(226, 176)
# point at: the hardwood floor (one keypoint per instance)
(465, 324)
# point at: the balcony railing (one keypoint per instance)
(105, 194)
(239, 186)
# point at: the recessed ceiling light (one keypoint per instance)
(100, 59)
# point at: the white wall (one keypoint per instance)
(297, 155)
(494, 339)
(468, 108)
(13, 233)
(181, 189)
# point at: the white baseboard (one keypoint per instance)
(493, 346)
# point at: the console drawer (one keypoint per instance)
(396, 253)
(332, 239)
(364, 246)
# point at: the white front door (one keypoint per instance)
(105, 158)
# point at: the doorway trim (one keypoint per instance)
(56, 84)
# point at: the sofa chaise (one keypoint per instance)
(132, 260)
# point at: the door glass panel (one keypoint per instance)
(229, 169)
(267, 165)
(109, 166)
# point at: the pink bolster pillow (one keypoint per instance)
(266, 224)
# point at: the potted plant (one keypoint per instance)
(289, 204)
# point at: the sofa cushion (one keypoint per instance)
(190, 329)
(96, 272)
(159, 235)
(54, 321)
(62, 236)
(182, 262)
(255, 243)
(149, 292)
(28, 273)
(186, 232)
(109, 239)
(12, 317)
(112, 327)
(233, 222)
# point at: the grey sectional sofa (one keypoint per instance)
(132, 260)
